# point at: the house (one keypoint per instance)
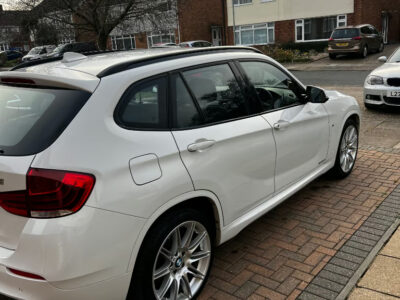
(182, 20)
(12, 33)
(261, 22)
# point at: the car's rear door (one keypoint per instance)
(301, 130)
(226, 148)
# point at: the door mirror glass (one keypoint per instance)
(316, 95)
(382, 59)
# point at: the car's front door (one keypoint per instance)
(301, 130)
(225, 148)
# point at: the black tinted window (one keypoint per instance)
(31, 119)
(274, 88)
(185, 110)
(217, 92)
(345, 33)
(144, 105)
(366, 30)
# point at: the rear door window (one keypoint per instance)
(31, 119)
(217, 92)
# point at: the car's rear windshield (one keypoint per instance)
(345, 33)
(31, 119)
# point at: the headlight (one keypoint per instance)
(375, 80)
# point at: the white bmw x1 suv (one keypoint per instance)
(120, 173)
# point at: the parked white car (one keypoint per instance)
(38, 53)
(120, 173)
(382, 86)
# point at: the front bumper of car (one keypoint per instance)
(378, 95)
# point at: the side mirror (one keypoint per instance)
(382, 59)
(316, 95)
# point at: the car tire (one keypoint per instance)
(364, 52)
(348, 148)
(332, 56)
(177, 270)
(381, 47)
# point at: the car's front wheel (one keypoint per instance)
(347, 151)
(175, 258)
(381, 47)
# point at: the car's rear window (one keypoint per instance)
(345, 33)
(31, 119)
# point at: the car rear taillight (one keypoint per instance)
(49, 194)
(357, 38)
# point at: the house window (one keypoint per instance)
(160, 38)
(4, 47)
(258, 34)
(123, 42)
(318, 29)
(242, 2)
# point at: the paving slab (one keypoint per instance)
(383, 276)
(392, 248)
(365, 294)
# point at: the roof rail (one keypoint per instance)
(124, 66)
(185, 52)
(53, 59)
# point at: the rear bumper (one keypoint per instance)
(16, 287)
(355, 49)
(82, 256)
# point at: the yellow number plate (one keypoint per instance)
(342, 44)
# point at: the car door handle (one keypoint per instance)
(201, 145)
(280, 125)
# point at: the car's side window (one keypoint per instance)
(274, 88)
(185, 111)
(217, 92)
(143, 106)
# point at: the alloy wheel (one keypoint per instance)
(348, 148)
(182, 262)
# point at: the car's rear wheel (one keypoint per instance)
(364, 52)
(381, 47)
(347, 151)
(175, 258)
(332, 56)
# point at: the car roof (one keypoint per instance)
(104, 64)
(351, 26)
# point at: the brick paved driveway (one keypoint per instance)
(277, 256)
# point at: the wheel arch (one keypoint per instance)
(204, 201)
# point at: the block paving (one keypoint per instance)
(312, 241)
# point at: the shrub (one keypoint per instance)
(306, 47)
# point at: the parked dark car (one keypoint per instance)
(73, 47)
(360, 39)
(9, 55)
(13, 55)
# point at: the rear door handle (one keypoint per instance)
(201, 145)
(280, 125)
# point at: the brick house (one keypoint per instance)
(12, 33)
(259, 22)
(186, 20)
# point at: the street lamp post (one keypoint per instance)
(234, 22)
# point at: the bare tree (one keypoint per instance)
(100, 17)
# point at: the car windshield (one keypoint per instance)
(395, 58)
(345, 33)
(59, 48)
(34, 51)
